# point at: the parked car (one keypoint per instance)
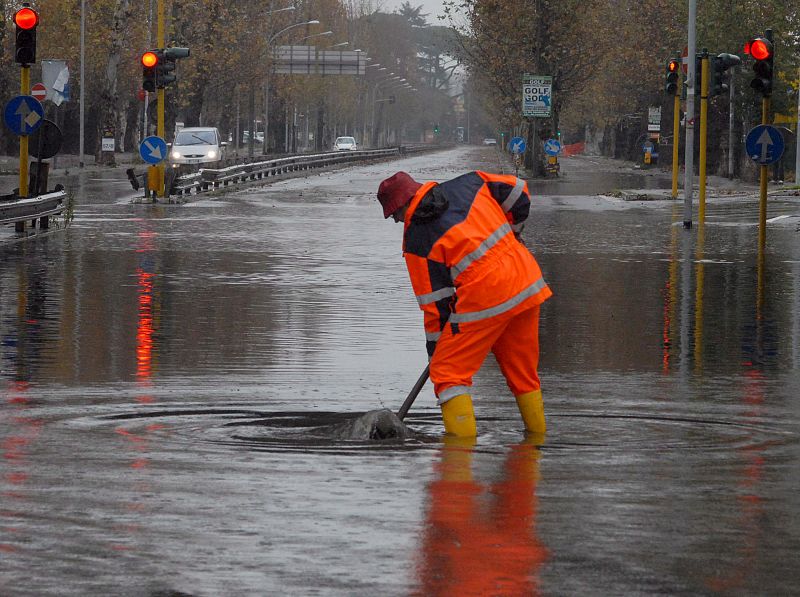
(345, 144)
(489, 141)
(197, 145)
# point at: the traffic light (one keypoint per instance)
(762, 51)
(26, 20)
(149, 62)
(672, 76)
(165, 69)
(158, 67)
(436, 128)
(719, 72)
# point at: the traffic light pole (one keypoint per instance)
(676, 131)
(762, 202)
(24, 89)
(704, 76)
(162, 42)
(688, 160)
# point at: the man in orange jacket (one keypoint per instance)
(479, 287)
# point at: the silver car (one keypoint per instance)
(196, 146)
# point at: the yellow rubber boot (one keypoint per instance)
(531, 408)
(458, 416)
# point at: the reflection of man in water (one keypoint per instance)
(480, 539)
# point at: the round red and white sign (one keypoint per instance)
(39, 91)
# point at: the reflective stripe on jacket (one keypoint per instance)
(462, 253)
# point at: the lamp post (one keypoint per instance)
(252, 108)
(271, 39)
(315, 35)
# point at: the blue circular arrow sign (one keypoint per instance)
(764, 144)
(552, 147)
(153, 150)
(517, 145)
(23, 114)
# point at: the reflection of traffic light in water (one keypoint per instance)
(480, 539)
(146, 313)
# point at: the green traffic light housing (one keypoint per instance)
(720, 75)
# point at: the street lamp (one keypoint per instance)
(271, 39)
(339, 45)
(270, 12)
(315, 35)
(292, 26)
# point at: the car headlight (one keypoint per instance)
(176, 155)
(212, 153)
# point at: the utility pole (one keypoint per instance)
(688, 180)
(83, 85)
(797, 140)
(730, 128)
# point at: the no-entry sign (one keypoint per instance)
(39, 91)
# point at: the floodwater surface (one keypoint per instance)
(173, 376)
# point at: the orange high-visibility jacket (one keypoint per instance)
(466, 264)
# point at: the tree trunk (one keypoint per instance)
(111, 110)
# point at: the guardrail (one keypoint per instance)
(40, 208)
(213, 178)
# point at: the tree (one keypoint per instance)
(412, 14)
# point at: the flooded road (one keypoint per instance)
(170, 374)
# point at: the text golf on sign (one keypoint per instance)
(537, 94)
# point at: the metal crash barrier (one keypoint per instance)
(41, 208)
(214, 178)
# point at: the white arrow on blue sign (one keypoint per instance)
(517, 145)
(764, 144)
(153, 149)
(23, 114)
(552, 147)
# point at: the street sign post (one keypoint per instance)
(764, 144)
(537, 95)
(552, 147)
(153, 150)
(517, 145)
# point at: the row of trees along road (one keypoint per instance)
(223, 82)
(607, 60)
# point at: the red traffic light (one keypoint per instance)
(760, 48)
(26, 18)
(149, 59)
(673, 66)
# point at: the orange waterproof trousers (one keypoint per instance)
(514, 341)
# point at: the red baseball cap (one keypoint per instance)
(397, 191)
